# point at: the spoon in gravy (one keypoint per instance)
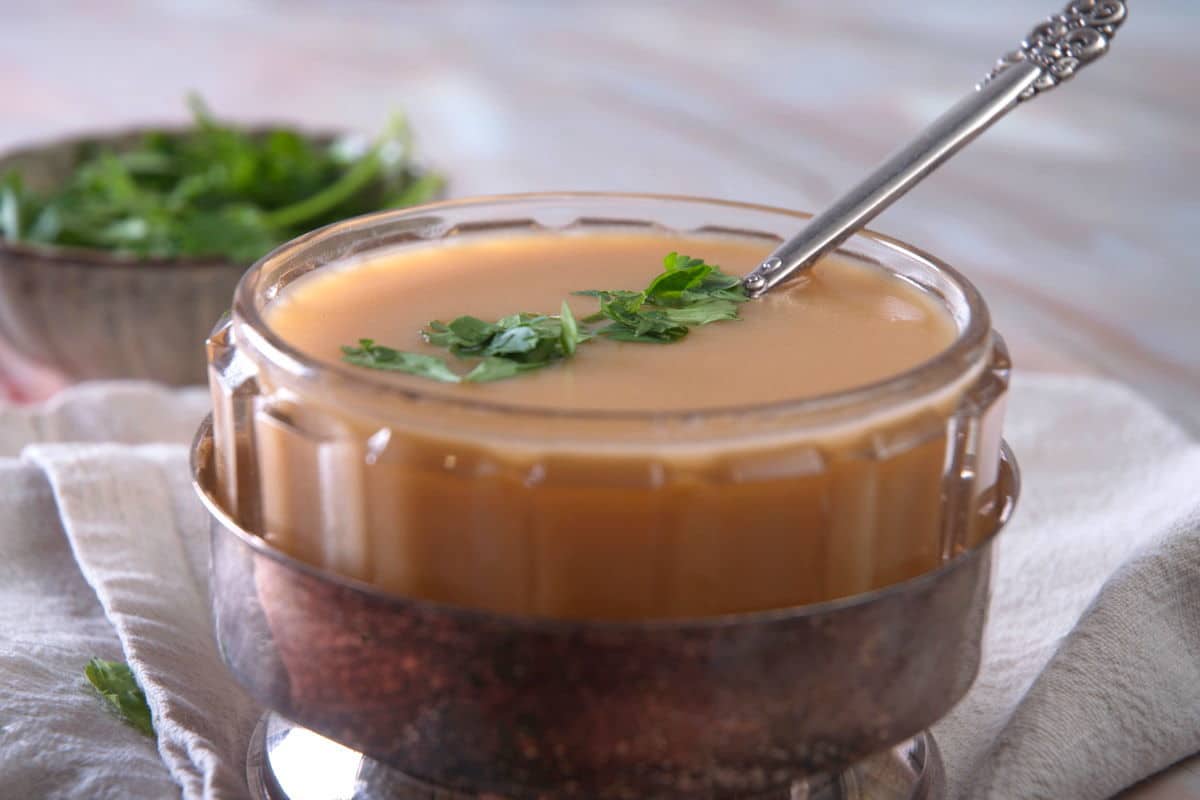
(1052, 53)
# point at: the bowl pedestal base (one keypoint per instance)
(288, 762)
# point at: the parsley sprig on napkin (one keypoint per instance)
(116, 684)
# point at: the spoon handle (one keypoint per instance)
(1053, 52)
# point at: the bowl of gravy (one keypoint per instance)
(709, 568)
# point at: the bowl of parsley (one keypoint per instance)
(119, 252)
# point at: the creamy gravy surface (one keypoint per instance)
(844, 325)
(449, 516)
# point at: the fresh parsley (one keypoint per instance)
(213, 191)
(507, 347)
(687, 293)
(115, 682)
(369, 354)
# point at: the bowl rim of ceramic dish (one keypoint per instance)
(201, 466)
(96, 257)
(971, 346)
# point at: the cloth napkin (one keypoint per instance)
(1091, 673)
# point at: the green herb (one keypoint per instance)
(570, 337)
(115, 682)
(512, 345)
(369, 354)
(214, 191)
(689, 292)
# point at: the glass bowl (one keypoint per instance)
(905, 481)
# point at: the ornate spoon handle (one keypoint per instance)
(1053, 52)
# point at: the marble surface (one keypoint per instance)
(1074, 215)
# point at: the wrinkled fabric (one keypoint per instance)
(1091, 672)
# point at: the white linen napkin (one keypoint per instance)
(1091, 673)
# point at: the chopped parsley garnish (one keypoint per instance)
(507, 347)
(687, 293)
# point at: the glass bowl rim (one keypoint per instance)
(921, 380)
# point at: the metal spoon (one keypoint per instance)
(1052, 53)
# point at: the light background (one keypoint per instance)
(1077, 215)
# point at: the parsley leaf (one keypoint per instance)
(511, 345)
(115, 682)
(520, 339)
(703, 312)
(369, 354)
(687, 293)
(10, 207)
(471, 332)
(494, 368)
(671, 288)
(570, 337)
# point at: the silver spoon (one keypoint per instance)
(1053, 52)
